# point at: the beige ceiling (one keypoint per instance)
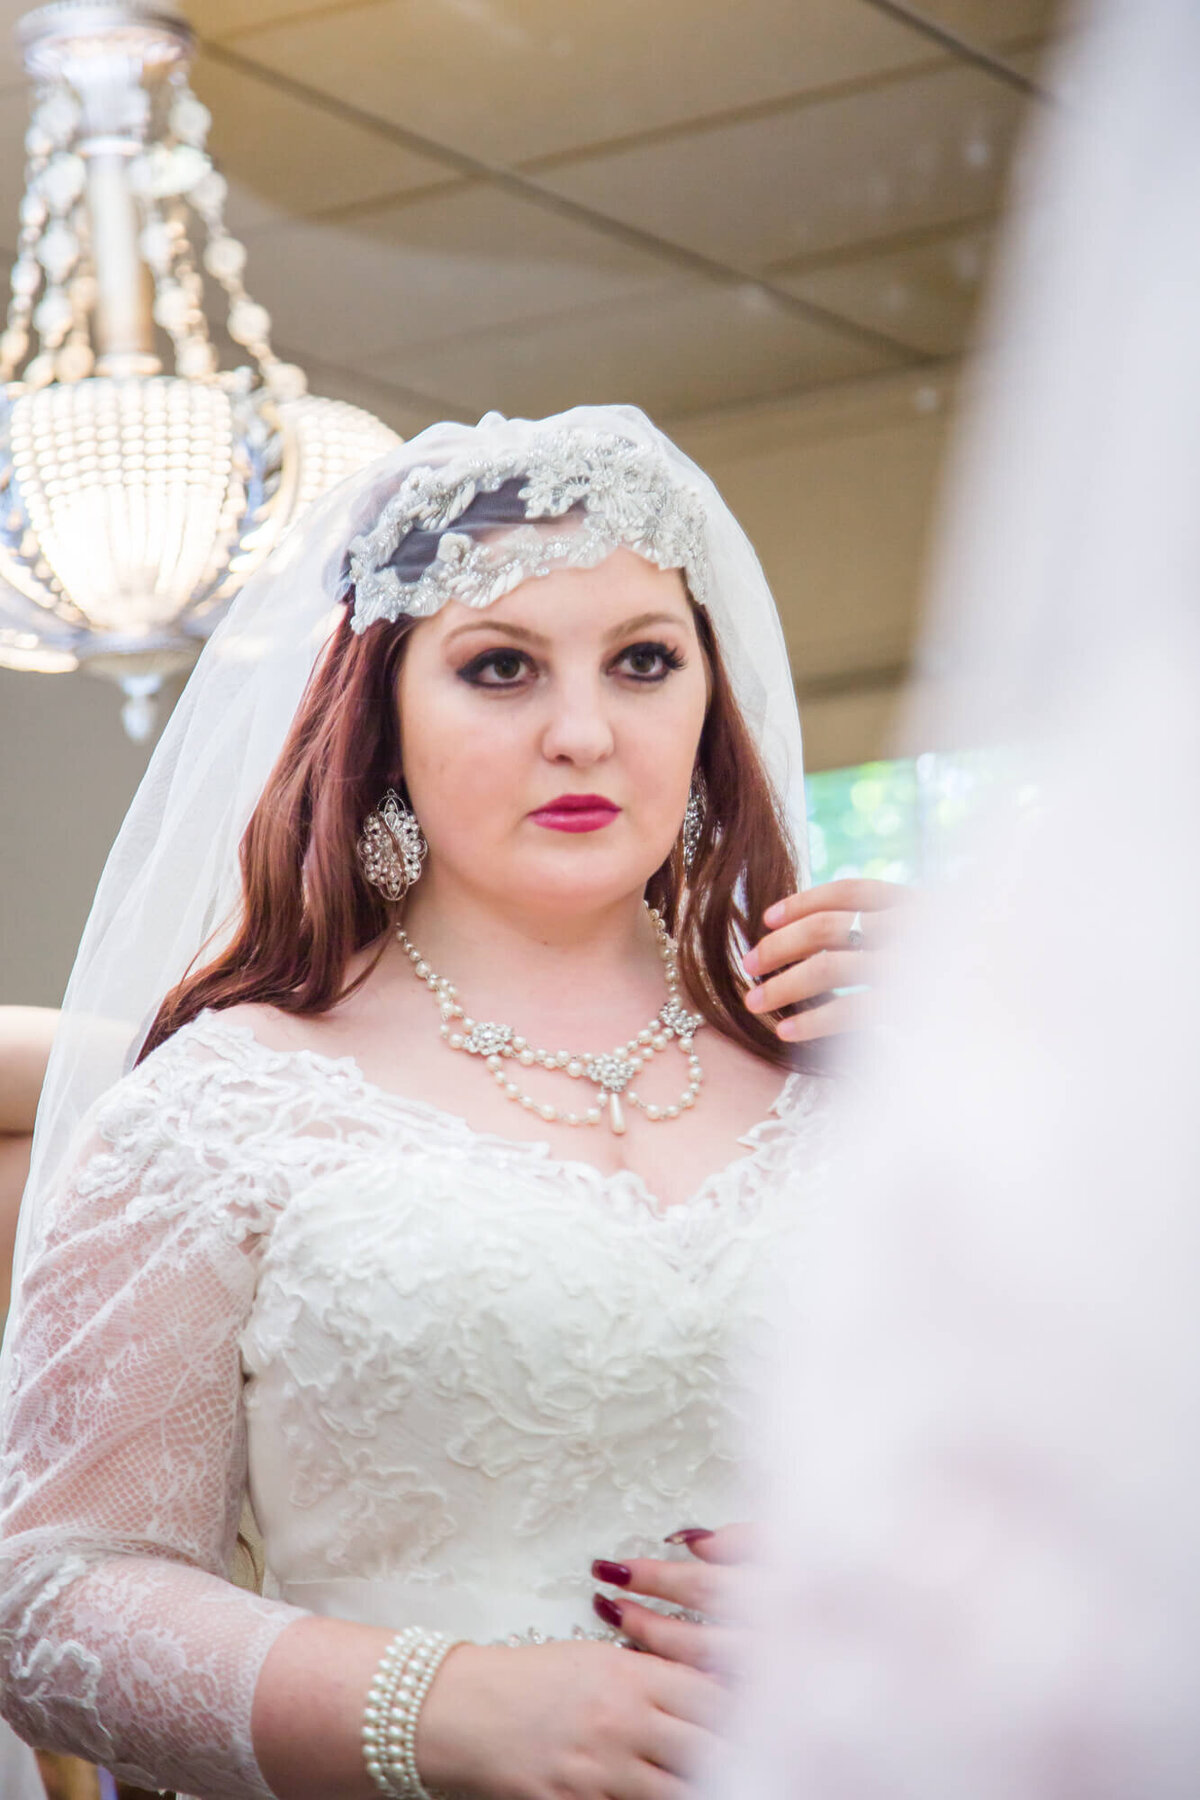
(691, 204)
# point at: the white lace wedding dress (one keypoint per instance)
(452, 1368)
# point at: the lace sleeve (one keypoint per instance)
(121, 1639)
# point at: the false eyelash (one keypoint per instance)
(471, 671)
(672, 658)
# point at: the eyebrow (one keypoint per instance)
(522, 635)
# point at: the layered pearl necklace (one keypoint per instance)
(611, 1072)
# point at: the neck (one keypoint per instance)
(543, 971)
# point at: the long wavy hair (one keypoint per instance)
(306, 909)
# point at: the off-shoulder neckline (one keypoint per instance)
(796, 1094)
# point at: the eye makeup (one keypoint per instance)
(509, 664)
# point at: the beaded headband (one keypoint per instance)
(474, 528)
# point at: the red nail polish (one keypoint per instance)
(691, 1534)
(616, 1573)
(607, 1609)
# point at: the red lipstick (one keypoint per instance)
(576, 812)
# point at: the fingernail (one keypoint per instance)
(607, 1609)
(691, 1534)
(774, 915)
(750, 962)
(754, 1000)
(616, 1573)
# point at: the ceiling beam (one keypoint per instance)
(963, 48)
(839, 684)
(523, 187)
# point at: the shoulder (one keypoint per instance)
(794, 1135)
(206, 1124)
(269, 1028)
(799, 1138)
(250, 1049)
(212, 1059)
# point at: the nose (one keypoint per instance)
(578, 730)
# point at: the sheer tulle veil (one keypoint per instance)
(986, 1549)
(172, 876)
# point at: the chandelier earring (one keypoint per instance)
(693, 820)
(391, 848)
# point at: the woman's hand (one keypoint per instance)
(582, 1719)
(811, 949)
(708, 1586)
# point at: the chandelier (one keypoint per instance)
(134, 502)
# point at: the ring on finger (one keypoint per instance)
(854, 935)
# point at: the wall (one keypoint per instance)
(68, 774)
(836, 491)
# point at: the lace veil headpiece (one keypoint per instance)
(463, 512)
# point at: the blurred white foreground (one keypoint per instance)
(986, 1578)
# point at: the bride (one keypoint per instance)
(461, 1142)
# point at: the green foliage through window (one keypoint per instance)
(906, 820)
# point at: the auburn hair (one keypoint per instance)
(306, 908)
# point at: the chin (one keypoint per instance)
(580, 884)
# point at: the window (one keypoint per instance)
(905, 820)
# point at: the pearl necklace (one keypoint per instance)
(611, 1072)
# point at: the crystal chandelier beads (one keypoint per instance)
(134, 500)
(130, 490)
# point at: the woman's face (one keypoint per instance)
(585, 684)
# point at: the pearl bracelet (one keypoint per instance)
(394, 1701)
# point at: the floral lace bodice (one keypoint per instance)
(450, 1368)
